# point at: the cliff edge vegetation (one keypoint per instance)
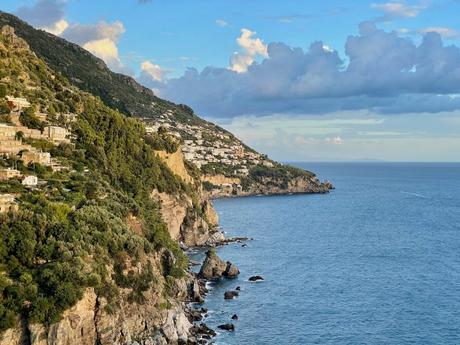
(88, 221)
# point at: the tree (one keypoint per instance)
(4, 108)
(28, 119)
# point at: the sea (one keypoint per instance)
(376, 261)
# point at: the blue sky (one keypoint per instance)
(299, 80)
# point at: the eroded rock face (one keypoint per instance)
(175, 162)
(76, 327)
(89, 322)
(15, 336)
(214, 267)
(177, 327)
(183, 221)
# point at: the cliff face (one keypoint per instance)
(190, 220)
(158, 320)
(175, 162)
(115, 275)
(161, 317)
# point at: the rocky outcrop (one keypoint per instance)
(185, 223)
(189, 220)
(16, 336)
(219, 180)
(269, 186)
(175, 162)
(120, 321)
(214, 267)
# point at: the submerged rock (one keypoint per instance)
(235, 317)
(227, 327)
(255, 278)
(231, 294)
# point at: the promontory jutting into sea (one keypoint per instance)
(196, 173)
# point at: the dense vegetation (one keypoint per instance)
(71, 230)
(279, 175)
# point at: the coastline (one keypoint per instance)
(197, 313)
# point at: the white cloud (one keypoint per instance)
(57, 28)
(443, 31)
(83, 33)
(106, 49)
(399, 9)
(156, 72)
(100, 39)
(221, 22)
(251, 48)
(420, 76)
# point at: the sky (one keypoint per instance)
(299, 80)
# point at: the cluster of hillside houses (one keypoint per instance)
(12, 143)
(203, 145)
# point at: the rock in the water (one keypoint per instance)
(227, 327)
(235, 317)
(231, 294)
(213, 267)
(203, 330)
(231, 271)
(238, 288)
(255, 278)
(328, 185)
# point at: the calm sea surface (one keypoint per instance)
(377, 261)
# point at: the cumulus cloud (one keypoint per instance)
(82, 33)
(44, 13)
(250, 49)
(57, 28)
(399, 9)
(382, 71)
(100, 39)
(156, 72)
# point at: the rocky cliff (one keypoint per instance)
(222, 188)
(160, 319)
(90, 256)
(93, 254)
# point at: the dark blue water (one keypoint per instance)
(377, 261)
